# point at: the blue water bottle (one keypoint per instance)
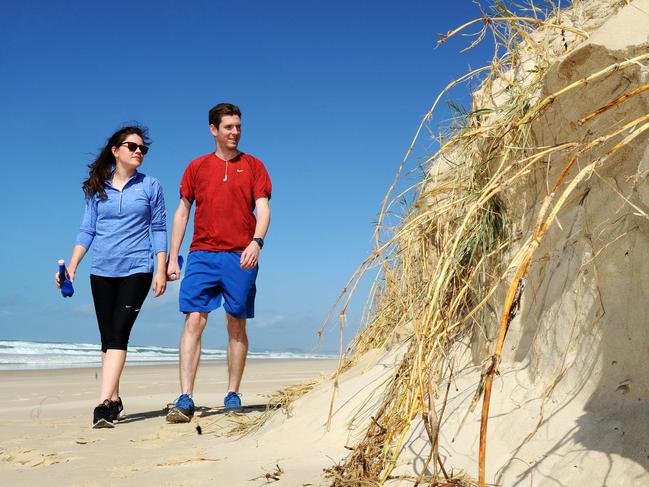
(66, 286)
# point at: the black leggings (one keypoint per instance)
(117, 303)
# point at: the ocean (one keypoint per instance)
(16, 355)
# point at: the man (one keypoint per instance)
(227, 186)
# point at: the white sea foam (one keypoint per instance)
(45, 355)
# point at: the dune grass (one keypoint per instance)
(455, 247)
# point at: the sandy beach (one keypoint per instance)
(46, 436)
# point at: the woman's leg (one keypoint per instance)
(131, 293)
(104, 294)
(110, 373)
(115, 395)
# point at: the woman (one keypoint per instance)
(125, 222)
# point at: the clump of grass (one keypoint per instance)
(281, 400)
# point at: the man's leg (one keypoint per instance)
(237, 351)
(190, 349)
(190, 356)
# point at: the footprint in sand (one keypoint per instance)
(28, 457)
(172, 462)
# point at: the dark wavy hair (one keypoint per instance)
(102, 167)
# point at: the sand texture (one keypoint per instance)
(46, 439)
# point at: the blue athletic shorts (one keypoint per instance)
(212, 276)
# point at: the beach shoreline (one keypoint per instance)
(33, 355)
(45, 421)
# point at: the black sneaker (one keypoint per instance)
(117, 409)
(101, 417)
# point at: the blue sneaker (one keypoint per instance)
(182, 410)
(232, 403)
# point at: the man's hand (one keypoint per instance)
(173, 270)
(159, 283)
(250, 256)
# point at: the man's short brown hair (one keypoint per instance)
(219, 111)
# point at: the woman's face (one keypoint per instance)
(127, 158)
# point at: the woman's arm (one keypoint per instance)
(158, 218)
(84, 239)
(159, 237)
(160, 276)
(77, 256)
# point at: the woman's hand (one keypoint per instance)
(69, 273)
(77, 256)
(159, 283)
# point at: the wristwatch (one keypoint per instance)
(260, 242)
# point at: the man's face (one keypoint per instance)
(228, 133)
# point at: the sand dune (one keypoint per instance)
(569, 403)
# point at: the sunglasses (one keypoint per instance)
(132, 146)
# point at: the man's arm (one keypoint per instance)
(250, 256)
(178, 227)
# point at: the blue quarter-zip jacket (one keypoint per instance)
(126, 228)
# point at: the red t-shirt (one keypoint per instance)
(225, 194)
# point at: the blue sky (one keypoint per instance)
(331, 94)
